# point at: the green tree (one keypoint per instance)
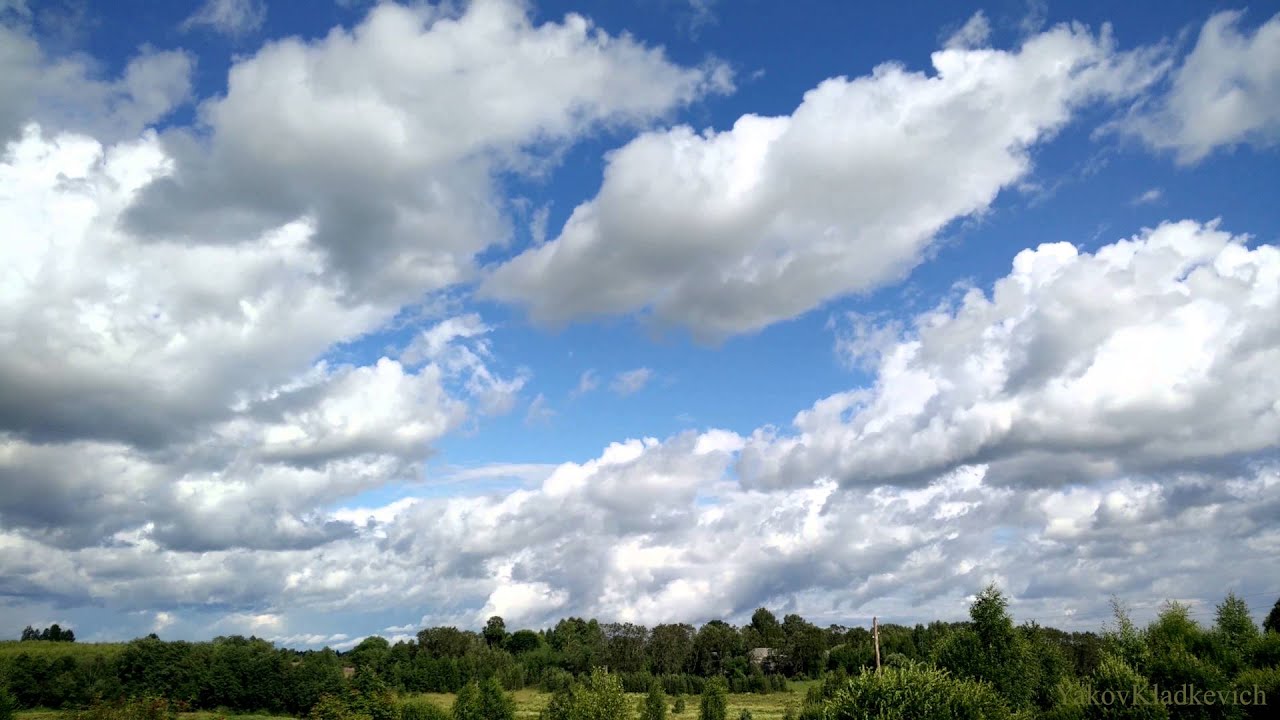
(1235, 633)
(992, 650)
(669, 648)
(713, 646)
(715, 700)
(523, 641)
(1117, 676)
(767, 629)
(467, 704)
(1272, 623)
(495, 703)
(804, 646)
(654, 707)
(495, 632)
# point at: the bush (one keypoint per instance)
(599, 698)
(744, 715)
(1117, 676)
(1260, 682)
(7, 703)
(916, 692)
(654, 706)
(333, 707)
(715, 700)
(496, 704)
(678, 707)
(422, 710)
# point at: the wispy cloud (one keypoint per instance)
(1150, 196)
(235, 18)
(539, 412)
(588, 382)
(631, 381)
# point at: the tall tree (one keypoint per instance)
(670, 647)
(767, 628)
(495, 632)
(1272, 623)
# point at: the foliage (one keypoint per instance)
(715, 700)
(335, 707)
(1261, 683)
(917, 692)
(466, 706)
(422, 710)
(991, 650)
(600, 697)
(7, 703)
(654, 706)
(678, 707)
(1272, 623)
(1116, 676)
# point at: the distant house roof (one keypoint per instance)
(758, 655)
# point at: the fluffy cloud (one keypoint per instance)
(66, 93)
(1225, 93)
(727, 232)
(388, 135)
(164, 394)
(652, 531)
(1152, 352)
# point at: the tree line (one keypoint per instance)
(987, 664)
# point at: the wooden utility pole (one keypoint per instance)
(875, 634)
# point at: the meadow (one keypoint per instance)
(529, 702)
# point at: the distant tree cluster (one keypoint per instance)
(53, 633)
(986, 667)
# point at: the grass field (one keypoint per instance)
(763, 707)
(202, 715)
(531, 702)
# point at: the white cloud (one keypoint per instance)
(630, 382)
(229, 17)
(777, 215)
(387, 135)
(1152, 195)
(66, 93)
(974, 33)
(1077, 366)
(1225, 93)
(539, 412)
(587, 382)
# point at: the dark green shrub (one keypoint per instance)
(1263, 686)
(1116, 676)
(916, 692)
(419, 709)
(7, 703)
(678, 707)
(654, 706)
(715, 700)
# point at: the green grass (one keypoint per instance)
(11, 648)
(201, 715)
(763, 707)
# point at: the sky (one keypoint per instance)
(330, 319)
